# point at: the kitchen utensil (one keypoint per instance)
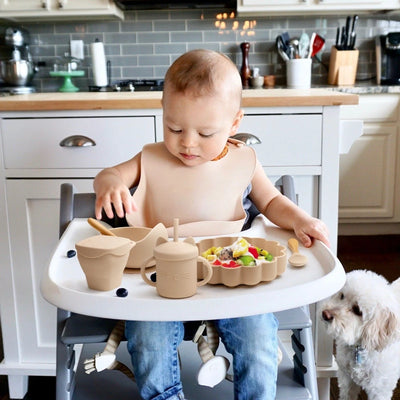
(296, 259)
(337, 41)
(294, 43)
(304, 45)
(285, 37)
(316, 46)
(346, 35)
(353, 26)
(353, 34)
(281, 47)
(17, 72)
(100, 227)
(311, 44)
(347, 30)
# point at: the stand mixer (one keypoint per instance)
(16, 66)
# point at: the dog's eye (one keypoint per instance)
(356, 310)
(341, 296)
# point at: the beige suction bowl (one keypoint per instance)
(145, 239)
(103, 260)
(266, 271)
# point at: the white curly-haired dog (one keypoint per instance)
(364, 320)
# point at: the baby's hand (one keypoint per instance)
(118, 196)
(309, 229)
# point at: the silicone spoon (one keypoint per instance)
(317, 45)
(304, 44)
(296, 259)
(100, 227)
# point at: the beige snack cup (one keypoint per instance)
(176, 267)
(103, 260)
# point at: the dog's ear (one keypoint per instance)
(382, 330)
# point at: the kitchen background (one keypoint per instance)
(146, 42)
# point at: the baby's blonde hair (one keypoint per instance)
(203, 73)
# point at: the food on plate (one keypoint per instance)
(239, 253)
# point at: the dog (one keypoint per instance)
(364, 320)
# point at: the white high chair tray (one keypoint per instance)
(64, 285)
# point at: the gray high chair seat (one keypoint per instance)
(75, 332)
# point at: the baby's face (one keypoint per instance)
(196, 128)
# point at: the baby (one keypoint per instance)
(201, 176)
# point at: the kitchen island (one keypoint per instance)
(152, 100)
(301, 134)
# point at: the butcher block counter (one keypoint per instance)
(151, 100)
(47, 139)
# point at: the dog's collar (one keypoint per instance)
(359, 354)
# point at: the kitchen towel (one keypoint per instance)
(99, 64)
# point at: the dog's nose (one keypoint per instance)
(327, 316)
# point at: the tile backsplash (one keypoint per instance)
(146, 42)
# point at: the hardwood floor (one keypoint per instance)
(377, 253)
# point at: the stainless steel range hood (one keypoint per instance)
(175, 4)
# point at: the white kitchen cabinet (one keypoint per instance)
(58, 9)
(305, 142)
(284, 151)
(369, 189)
(33, 167)
(33, 208)
(317, 7)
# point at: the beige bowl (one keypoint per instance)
(103, 260)
(145, 239)
(266, 271)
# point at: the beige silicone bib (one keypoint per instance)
(206, 198)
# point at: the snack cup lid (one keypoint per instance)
(176, 251)
(100, 245)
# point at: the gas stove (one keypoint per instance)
(131, 85)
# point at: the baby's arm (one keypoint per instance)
(112, 188)
(283, 212)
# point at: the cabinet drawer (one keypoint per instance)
(286, 139)
(35, 143)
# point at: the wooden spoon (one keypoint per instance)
(100, 227)
(296, 259)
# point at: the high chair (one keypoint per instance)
(296, 376)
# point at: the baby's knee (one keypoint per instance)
(152, 335)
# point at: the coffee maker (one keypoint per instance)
(388, 59)
(16, 66)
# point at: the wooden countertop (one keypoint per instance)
(151, 100)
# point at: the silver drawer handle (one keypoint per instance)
(77, 141)
(247, 138)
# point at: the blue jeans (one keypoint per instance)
(252, 341)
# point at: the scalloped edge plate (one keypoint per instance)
(266, 271)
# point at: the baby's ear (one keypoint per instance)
(382, 330)
(236, 122)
